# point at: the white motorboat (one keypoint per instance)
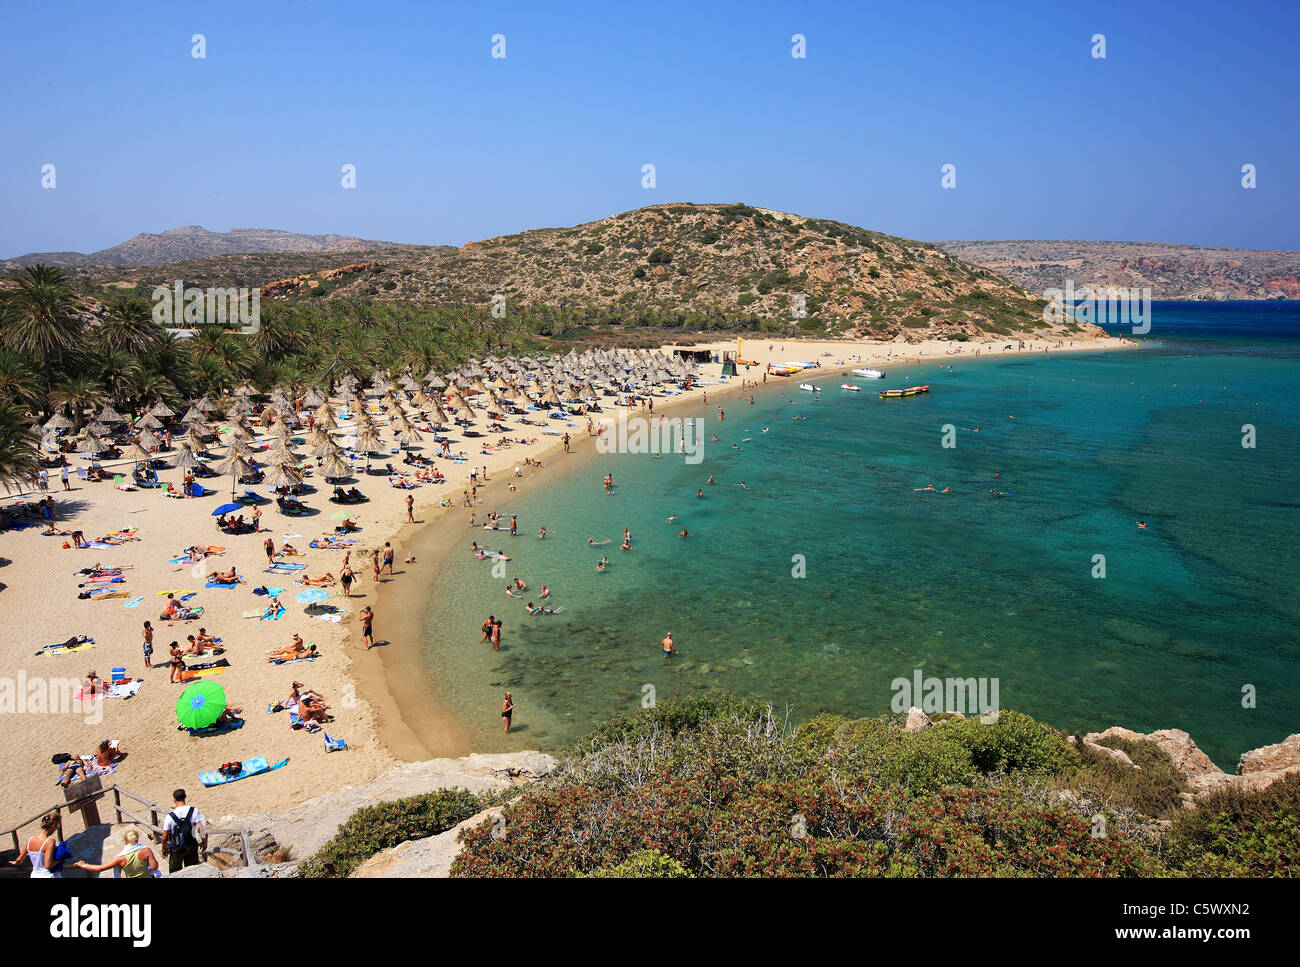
(869, 373)
(810, 387)
(856, 389)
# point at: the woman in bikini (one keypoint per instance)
(507, 710)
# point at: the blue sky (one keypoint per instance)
(451, 144)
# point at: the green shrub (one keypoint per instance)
(383, 825)
(1152, 788)
(1235, 833)
(646, 864)
(660, 256)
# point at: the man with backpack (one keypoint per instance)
(185, 837)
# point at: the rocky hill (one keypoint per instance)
(195, 242)
(712, 264)
(679, 266)
(1190, 272)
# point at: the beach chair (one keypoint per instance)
(81, 473)
(334, 745)
(198, 490)
(251, 497)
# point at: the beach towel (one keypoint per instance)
(285, 568)
(134, 602)
(252, 767)
(213, 729)
(126, 689)
(218, 584)
(93, 768)
(219, 663)
(75, 643)
(292, 661)
(189, 614)
(193, 674)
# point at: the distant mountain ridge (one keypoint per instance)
(1171, 271)
(195, 242)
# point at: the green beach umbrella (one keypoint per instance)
(200, 705)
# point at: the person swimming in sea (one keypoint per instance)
(604, 562)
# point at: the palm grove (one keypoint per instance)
(59, 356)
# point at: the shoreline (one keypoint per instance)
(410, 718)
(386, 702)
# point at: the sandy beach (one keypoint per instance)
(379, 700)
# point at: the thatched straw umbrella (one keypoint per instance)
(58, 422)
(186, 459)
(285, 476)
(237, 466)
(91, 444)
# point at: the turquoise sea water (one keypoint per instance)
(1194, 607)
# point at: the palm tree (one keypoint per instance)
(129, 327)
(117, 371)
(41, 317)
(18, 381)
(78, 394)
(18, 440)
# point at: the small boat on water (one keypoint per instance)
(810, 387)
(869, 373)
(850, 386)
(889, 394)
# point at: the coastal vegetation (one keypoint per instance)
(721, 786)
(388, 824)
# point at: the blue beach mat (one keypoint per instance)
(253, 767)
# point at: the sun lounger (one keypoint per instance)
(334, 745)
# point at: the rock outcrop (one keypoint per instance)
(1256, 769)
(309, 825)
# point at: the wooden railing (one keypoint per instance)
(123, 814)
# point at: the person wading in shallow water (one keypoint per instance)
(667, 645)
(507, 710)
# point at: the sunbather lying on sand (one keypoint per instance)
(225, 577)
(293, 652)
(325, 580)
